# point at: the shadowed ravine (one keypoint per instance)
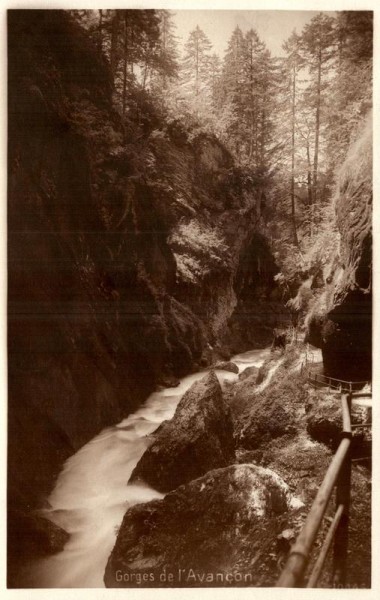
(91, 494)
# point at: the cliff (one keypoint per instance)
(341, 321)
(130, 243)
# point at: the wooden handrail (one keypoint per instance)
(338, 472)
(319, 563)
(328, 380)
(341, 380)
(308, 361)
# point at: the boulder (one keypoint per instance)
(168, 381)
(198, 438)
(324, 420)
(273, 413)
(279, 339)
(248, 372)
(227, 366)
(30, 536)
(324, 423)
(36, 534)
(209, 532)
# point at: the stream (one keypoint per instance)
(91, 494)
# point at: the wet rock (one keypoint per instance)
(279, 339)
(31, 536)
(221, 523)
(198, 438)
(324, 420)
(168, 382)
(248, 372)
(36, 534)
(227, 366)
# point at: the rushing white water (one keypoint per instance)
(91, 494)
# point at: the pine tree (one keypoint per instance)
(215, 78)
(232, 90)
(254, 49)
(292, 65)
(168, 49)
(195, 67)
(194, 91)
(135, 43)
(317, 41)
(351, 87)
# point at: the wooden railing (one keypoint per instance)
(337, 384)
(338, 475)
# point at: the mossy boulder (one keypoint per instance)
(222, 523)
(198, 438)
(272, 413)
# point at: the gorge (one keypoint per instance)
(142, 251)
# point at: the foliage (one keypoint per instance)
(139, 46)
(288, 123)
(198, 249)
(326, 90)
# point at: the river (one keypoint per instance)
(91, 494)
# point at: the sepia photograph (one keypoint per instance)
(189, 298)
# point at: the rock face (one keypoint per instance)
(344, 330)
(31, 535)
(123, 262)
(222, 523)
(272, 413)
(324, 423)
(324, 420)
(258, 310)
(198, 438)
(41, 534)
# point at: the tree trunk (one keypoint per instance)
(309, 184)
(145, 77)
(262, 137)
(114, 42)
(100, 31)
(317, 127)
(295, 238)
(197, 69)
(252, 103)
(132, 49)
(164, 43)
(125, 63)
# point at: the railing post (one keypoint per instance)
(343, 493)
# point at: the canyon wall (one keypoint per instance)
(134, 247)
(341, 322)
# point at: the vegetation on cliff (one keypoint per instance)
(165, 212)
(111, 288)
